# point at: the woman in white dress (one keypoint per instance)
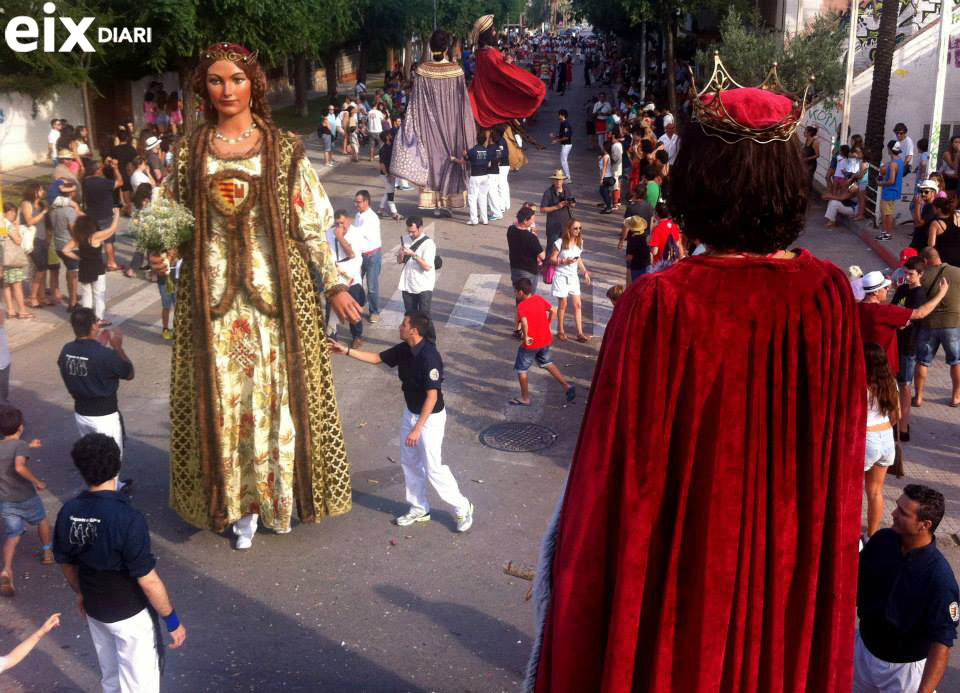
(566, 254)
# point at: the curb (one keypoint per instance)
(866, 233)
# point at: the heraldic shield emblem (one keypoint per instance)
(232, 192)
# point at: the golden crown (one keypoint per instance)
(714, 118)
(228, 51)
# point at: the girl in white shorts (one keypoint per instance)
(566, 254)
(883, 410)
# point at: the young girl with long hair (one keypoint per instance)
(13, 274)
(566, 254)
(883, 410)
(87, 247)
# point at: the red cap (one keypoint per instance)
(754, 108)
(906, 254)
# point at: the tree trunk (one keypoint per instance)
(185, 70)
(301, 86)
(330, 70)
(880, 89)
(408, 58)
(391, 59)
(671, 36)
(362, 62)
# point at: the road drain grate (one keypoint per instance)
(518, 436)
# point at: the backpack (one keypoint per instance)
(437, 260)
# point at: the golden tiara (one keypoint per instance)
(227, 51)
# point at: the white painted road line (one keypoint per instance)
(475, 300)
(602, 310)
(137, 302)
(391, 315)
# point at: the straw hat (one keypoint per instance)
(479, 26)
(636, 224)
(65, 154)
(558, 175)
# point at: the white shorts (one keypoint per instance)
(564, 285)
(874, 675)
(881, 449)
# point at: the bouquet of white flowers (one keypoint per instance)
(162, 225)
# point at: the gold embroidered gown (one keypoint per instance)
(254, 421)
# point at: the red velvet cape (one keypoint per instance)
(708, 534)
(501, 91)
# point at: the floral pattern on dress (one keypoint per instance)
(258, 433)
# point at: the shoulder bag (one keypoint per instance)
(437, 260)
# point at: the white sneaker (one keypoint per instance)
(244, 529)
(412, 516)
(471, 223)
(465, 522)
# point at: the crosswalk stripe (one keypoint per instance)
(137, 302)
(474, 303)
(602, 310)
(391, 315)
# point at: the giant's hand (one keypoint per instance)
(346, 307)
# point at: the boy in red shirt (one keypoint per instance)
(534, 316)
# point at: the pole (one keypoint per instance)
(946, 20)
(848, 83)
(643, 60)
(434, 15)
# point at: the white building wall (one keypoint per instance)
(910, 101)
(23, 136)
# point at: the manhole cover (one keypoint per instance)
(514, 436)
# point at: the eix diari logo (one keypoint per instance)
(22, 33)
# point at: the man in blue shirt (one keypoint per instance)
(907, 601)
(420, 368)
(103, 546)
(92, 373)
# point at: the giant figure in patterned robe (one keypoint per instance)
(255, 429)
(438, 128)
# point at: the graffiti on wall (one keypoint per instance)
(913, 16)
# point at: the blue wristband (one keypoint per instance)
(172, 621)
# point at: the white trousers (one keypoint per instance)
(386, 200)
(127, 652)
(565, 158)
(835, 207)
(423, 463)
(477, 189)
(93, 295)
(108, 425)
(498, 196)
(873, 675)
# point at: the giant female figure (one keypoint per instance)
(255, 427)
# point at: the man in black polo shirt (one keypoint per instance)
(907, 601)
(420, 369)
(92, 373)
(103, 546)
(478, 185)
(556, 203)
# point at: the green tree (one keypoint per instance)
(748, 48)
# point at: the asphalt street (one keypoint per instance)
(352, 603)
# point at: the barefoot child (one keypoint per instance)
(19, 503)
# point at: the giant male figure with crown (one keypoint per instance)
(255, 430)
(707, 537)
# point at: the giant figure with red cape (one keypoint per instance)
(707, 536)
(500, 91)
